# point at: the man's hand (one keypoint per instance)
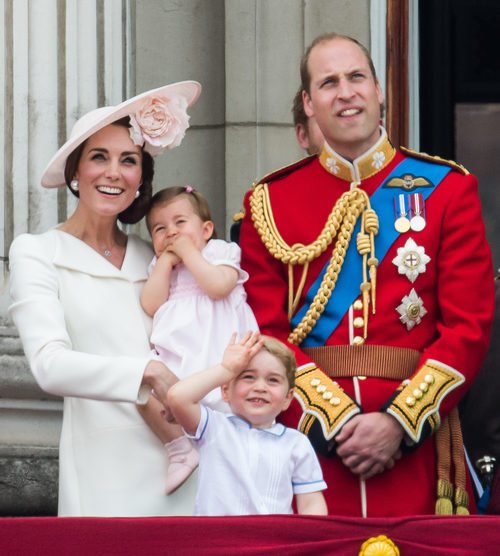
(368, 444)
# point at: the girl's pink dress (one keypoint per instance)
(191, 330)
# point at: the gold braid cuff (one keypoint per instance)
(340, 224)
(418, 402)
(324, 399)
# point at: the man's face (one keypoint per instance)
(344, 97)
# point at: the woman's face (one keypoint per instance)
(109, 172)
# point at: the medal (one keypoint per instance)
(417, 221)
(411, 310)
(402, 224)
(411, 260)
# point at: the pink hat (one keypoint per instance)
(158, 121)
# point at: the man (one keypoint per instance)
(389, 319)
(309, 136)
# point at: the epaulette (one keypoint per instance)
(285, 170)
(436, 159)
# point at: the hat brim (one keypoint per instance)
(53, 176)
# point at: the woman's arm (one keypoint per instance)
(157, 288)
(77, 345)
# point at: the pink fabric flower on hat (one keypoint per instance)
(159, 124)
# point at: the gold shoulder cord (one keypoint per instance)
(343, 216)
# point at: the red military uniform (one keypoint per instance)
(421, 349)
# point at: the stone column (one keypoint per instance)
(61, 59)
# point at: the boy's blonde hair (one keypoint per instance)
(284, 355)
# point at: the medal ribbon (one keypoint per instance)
(349, 279)
(402, 206)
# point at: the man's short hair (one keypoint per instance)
(299, 115)
(304, 63)
(304, 69)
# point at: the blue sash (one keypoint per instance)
(348, 282)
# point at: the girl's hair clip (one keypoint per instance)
(188, 189)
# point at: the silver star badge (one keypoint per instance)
(411, 260)
(411, 310)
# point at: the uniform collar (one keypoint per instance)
(276, 429)
(365, 166)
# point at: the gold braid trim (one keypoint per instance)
(452, 497)
(340, 223)
(323, 399)
(420, 399)
(436, 159)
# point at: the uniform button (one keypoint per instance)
(410, 402)
(321, 388)
(327, 395)
(424, 386)
(358, 340)
(429, 379)
(335, 401)
(315, 382)
(417, 393)
(358, 322)
(358, 305)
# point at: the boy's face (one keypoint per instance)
(260, 392)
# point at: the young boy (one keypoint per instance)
(249, 464)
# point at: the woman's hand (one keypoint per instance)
(160, 378)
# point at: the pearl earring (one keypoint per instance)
(137, 194)
(74, 185)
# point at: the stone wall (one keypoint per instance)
(29, 434)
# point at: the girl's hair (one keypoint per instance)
(138, 208)
(197, 200)
(284, 355)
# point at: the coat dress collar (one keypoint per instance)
(74, 254)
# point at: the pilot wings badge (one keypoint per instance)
(408, 182)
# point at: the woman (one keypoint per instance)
(75, 292)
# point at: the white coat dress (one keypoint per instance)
(86, 338)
